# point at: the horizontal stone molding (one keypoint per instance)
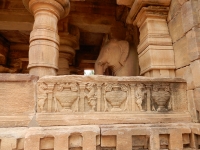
(95, 137)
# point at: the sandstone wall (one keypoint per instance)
(184, 27)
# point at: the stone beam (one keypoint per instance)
(23, 20)
(10, 25)
(125, 2)
(93, 23)
(16, 20)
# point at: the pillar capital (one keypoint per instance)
(139, 4)
(150, 12)
(60, 8)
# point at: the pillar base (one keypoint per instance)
(42, 71)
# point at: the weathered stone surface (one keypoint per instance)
(12, 138)
(70, 119)
(189, 14)
(186, 74)
(175, 8)
(60, 138)
(144, 137)
(17, 94)
(181, 53)
(192, 105)
(90, 100)
(176, 28)
(193, 40)
(195, 67)
(156, 57)
(197, 98)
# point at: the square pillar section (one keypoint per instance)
(44, 38)
(156, 54)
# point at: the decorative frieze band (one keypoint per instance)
(67, 94)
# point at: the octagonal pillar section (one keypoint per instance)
(66, 55)
(44, 38)
(156, 54)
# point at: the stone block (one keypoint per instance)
(146, 137)
(181, 53)
(193, 40)
(57, 138)
(156, 57)
(161, 73)
(192, 105)
(153, 26)
(176, 28)
(17, 94)
(195, 67)
(186, 74)
(197, 98)
(12, 138)
(189, 13)
(175, 8)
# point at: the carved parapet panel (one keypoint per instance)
(69, 94)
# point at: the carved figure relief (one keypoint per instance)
(42, 98)
(116, 95)
(140, 95)
(66, 95)
(91, 96)
(115, 55)
(161, 97)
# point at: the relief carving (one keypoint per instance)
(161, 97)
(140, 96)
(42, 96)
(116, 95)
(66, 94)
(91, 96)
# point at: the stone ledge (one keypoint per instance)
(55, 119)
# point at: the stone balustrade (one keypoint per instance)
(108, 100)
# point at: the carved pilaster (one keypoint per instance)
(44, 39)
(50, 88)
(99, 96)
(148, 88)
(133, 96)
(82, 96)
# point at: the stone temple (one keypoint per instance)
(145, 94)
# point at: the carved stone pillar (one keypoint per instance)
(69, 45)
(66, 55)
(156, 55)
(44, 39)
